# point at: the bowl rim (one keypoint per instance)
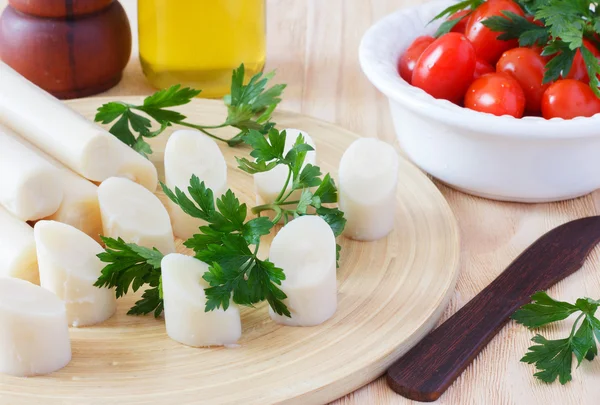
(379, 67)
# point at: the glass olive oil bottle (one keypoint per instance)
(198, 43)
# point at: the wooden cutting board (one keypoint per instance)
(391, 293)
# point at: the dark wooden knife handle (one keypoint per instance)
(428, 369)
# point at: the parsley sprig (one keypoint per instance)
(249, 106)
(553, 358)
(132, 266)
(305, 178)
(229, 245)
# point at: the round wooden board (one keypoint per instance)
(391, 293)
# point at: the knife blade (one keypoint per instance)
(426, 371)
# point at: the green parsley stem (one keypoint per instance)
(287, 182)
(260, 208)
(289, 202)
(214, 126)
(265, 207)
(282, 201)
(279, 212)
(575, 326)
(201, 129)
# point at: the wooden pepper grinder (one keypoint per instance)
(70, 48)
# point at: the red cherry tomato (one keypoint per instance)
(496, 93)
(462, 24)
(528, 67)
(569, 99)
(482, 68)
(408, 60)
(578, 69)
(485, 40)
(446, 68)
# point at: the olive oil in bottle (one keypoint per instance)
(198, 43)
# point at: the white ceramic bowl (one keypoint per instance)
(503, 158)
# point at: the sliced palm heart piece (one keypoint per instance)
(190, 152)
(69, 266)
(305, 249)
(78, 143)
(368, 176)
(184, 300)
(17, 249)
(79, 206)
(30, 187)
(34, 338)
(131, 212)
(269, 184)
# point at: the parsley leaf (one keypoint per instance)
(564, 19)
(513, 26)
(593, 68)
(455, 8)
(132, 266)
(447, 26)
(249, 106)
(235, 271)
(268, 153)
(327, 191)
(172, 97)
(561, 63)
(554, 358)
(543, 310)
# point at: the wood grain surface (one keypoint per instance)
(313, 44)
(391, 292)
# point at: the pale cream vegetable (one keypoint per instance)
(30, 187)
(367, 191)
(69, 267)
(268, 185)
(79, 206)
(184, 300)
(34, 337)
(17, 249)
(305, 249)
(136, 215)
(188, 153)
(78, 143)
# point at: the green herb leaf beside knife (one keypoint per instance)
(554, 358)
